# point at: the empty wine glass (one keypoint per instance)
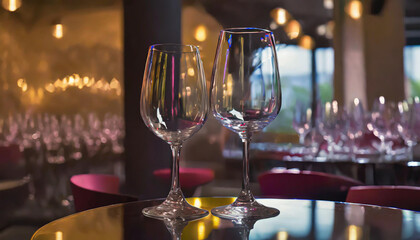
(384, 124)
(245, 97)
(302, 120)
(356, 125)
(174, 105)
(409, 124)
(334, 128)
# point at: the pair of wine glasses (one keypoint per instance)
(245, 97)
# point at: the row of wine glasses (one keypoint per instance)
(55, 147)
(32, 131)
(352, 132)
(245, 98)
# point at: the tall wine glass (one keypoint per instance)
(384, 124)
(174, 106)
(356, 125)
(409, 124)
(302, 115)
(245, 97)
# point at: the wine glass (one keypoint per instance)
(384, 124)
(302, 120)
(409, 124)
(245, 97)
(334, 127)
(174, 106)
(356, 125)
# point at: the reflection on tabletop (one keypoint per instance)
(298, 219)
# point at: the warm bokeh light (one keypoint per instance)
(74, 81)
(321, 30)
(327, 108)
(50, 88)
(197, 203)
(280, 16)
(282, 235)
(355, 9)
(24, 87)
(354, 232)
(330, 29)
(11, 5)
(216, 222)
(191, 72)
(200, 33)
(335, 106)
(20, 82)
(58, 31)
(201, 230)
(306, 42)
(356, 102)
(382, 100)
(293, 29)
(328, 4)
(59, 235)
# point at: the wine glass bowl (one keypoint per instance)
(174, 106)
(409, 124)
(245, 98)
(384, 124)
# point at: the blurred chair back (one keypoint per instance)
(189, 178)
(96, 190)
(406, 197)
(305, 185)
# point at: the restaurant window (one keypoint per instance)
(325, 73)
(412, 71)
(295, 73)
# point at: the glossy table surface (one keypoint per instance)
(298, 219)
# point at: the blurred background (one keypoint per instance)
(71, 71)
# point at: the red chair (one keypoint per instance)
(9, 154)
(189, 178)
(305, 185)
(405, 197)
(96, 190)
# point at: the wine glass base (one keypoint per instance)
(245, 210)
(175, 210)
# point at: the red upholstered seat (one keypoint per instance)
(9, 154)
(305, 185)
(406, 197)
(189, 178)
(96, 190)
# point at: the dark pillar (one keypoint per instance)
(145, 23)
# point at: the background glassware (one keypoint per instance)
(302, 120)
(245, 97)
(409, 124)
(174, 106)
(334, 127)
(356, 125)
(384, 124)
(314, 138)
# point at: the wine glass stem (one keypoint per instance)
(176, 150)
(410, 153)
(245, 194)
(302, 139)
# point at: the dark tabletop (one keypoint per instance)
(298, 219)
